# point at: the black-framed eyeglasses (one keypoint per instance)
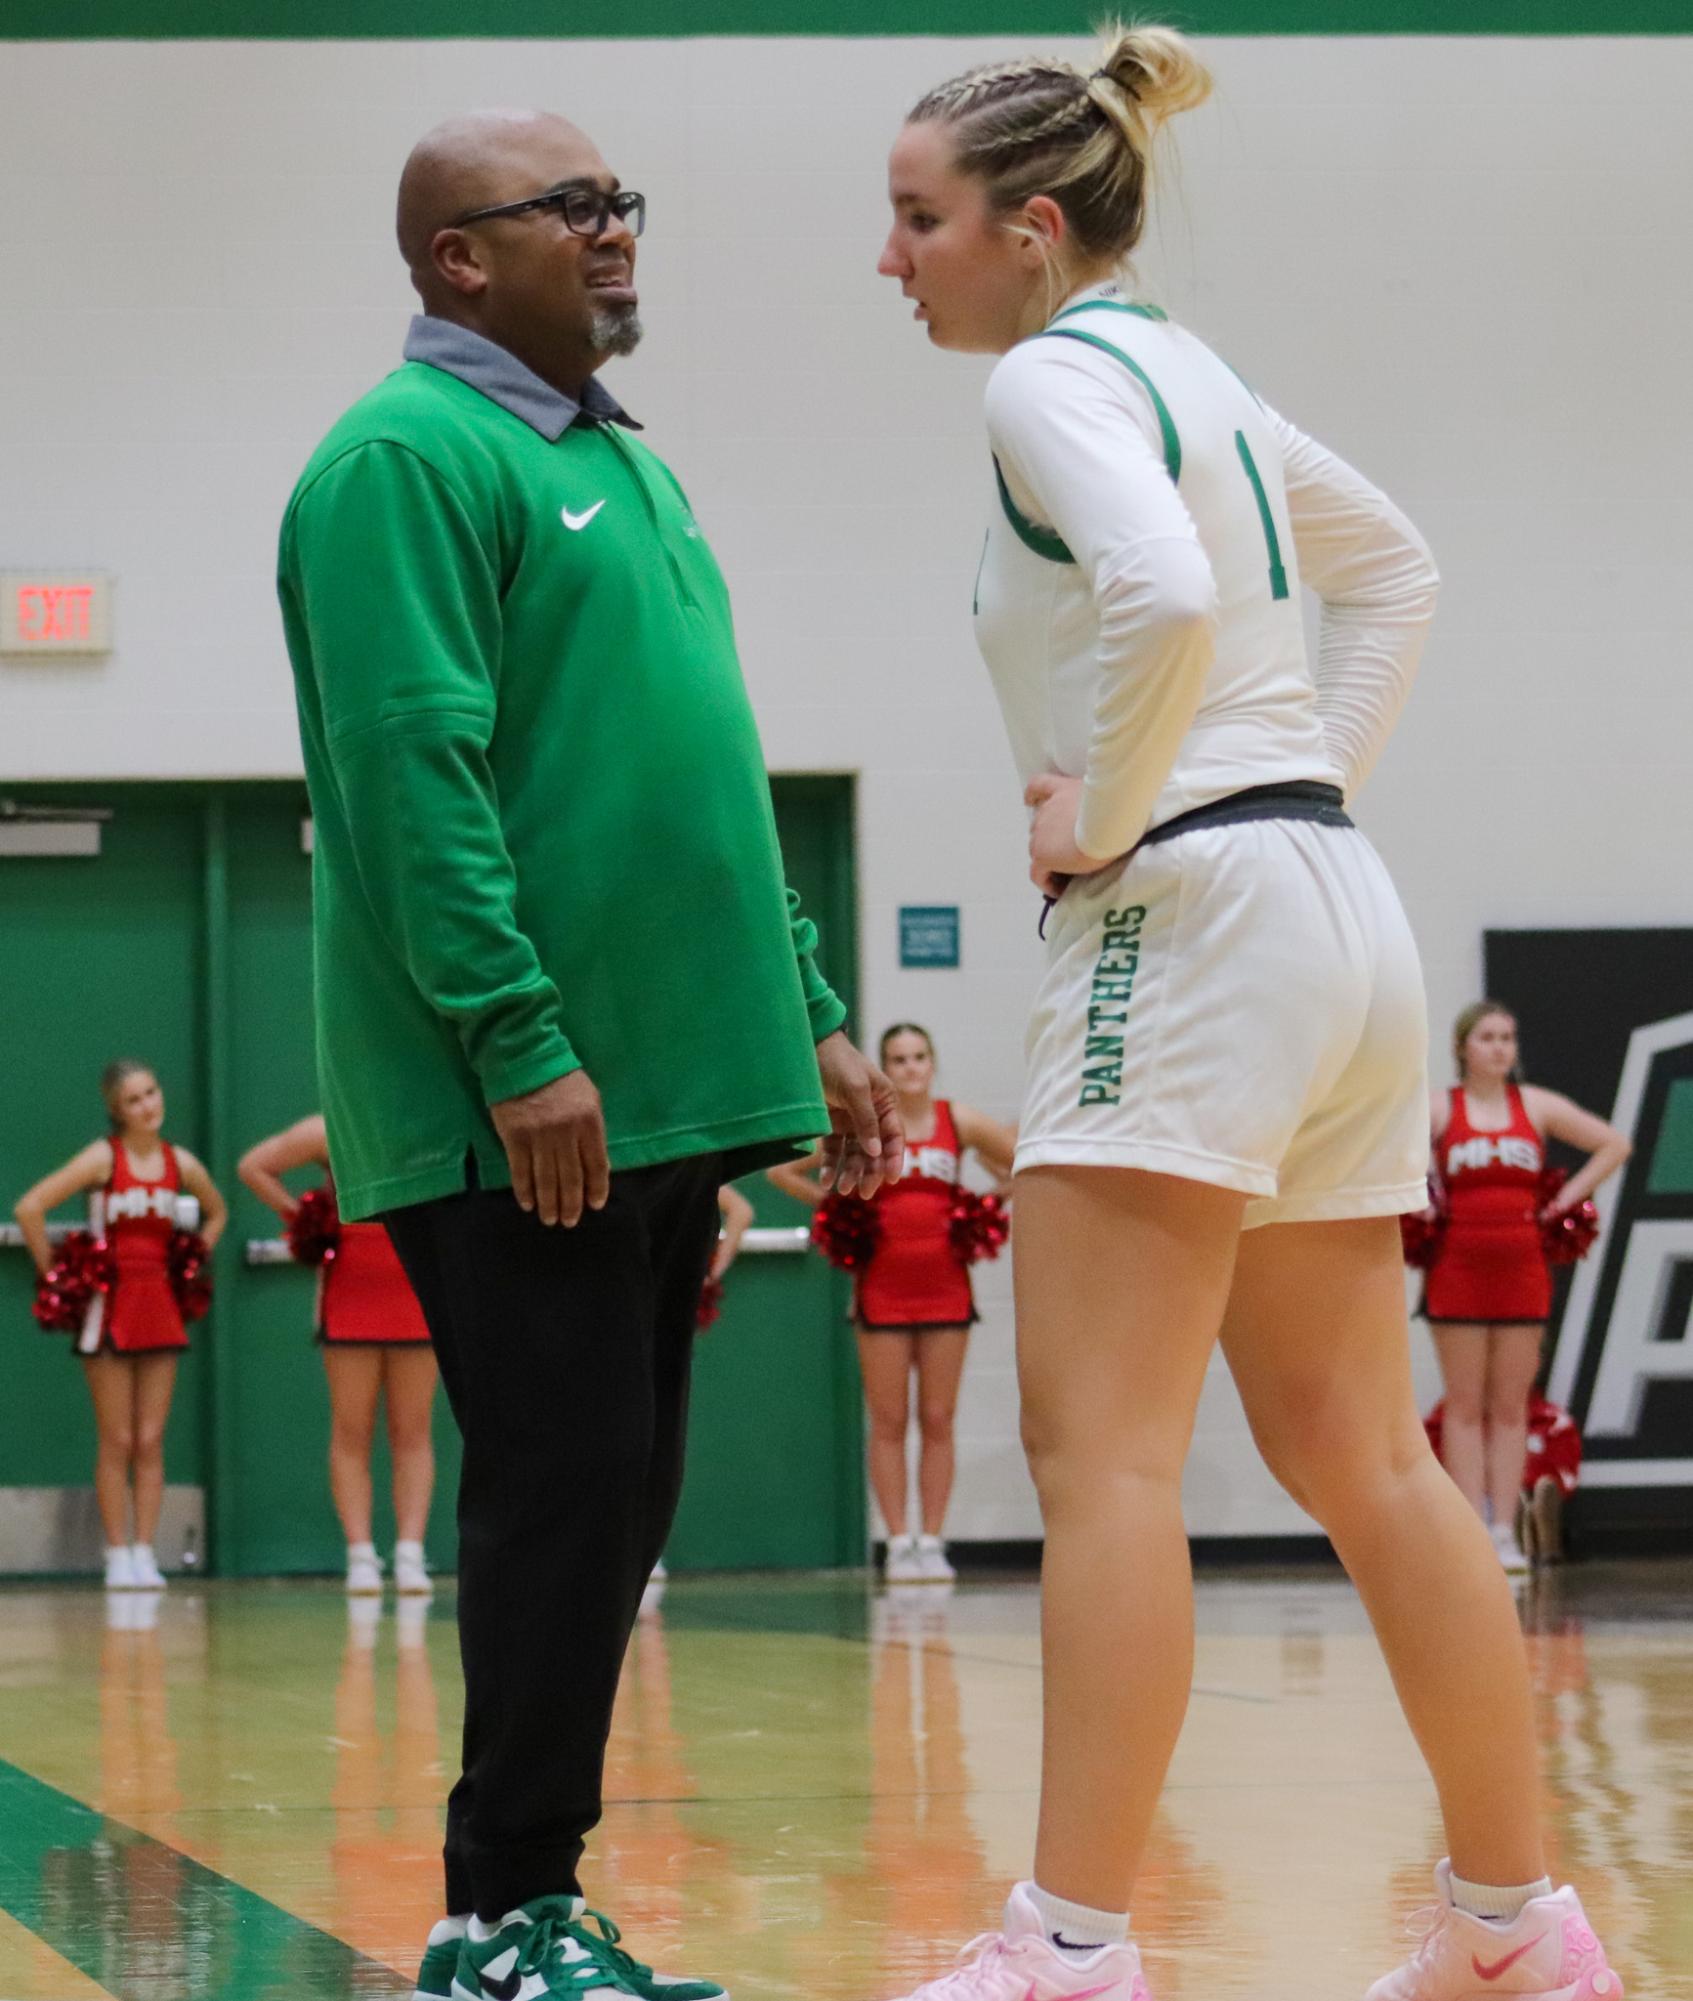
(586, 209)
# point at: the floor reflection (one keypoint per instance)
(390, 1781)
(148, 1933)
(925, 1875)
(811, 1788)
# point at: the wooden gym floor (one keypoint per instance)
(816, 1792)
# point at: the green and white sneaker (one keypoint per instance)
(546, 1951)
(440, 1960)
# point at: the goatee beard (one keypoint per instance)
(615, 329)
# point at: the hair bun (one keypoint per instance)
(1158, 68)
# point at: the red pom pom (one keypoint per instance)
(1573, 1235)
(52, 1311)
(83, 1267)
(1553, 1446)
(1566, 1236)
(711, 1303)
(979, 1226)
(1570, 1236)
(191, 1274)
(314, 1229)
(1423, 1231)
(845, 1228)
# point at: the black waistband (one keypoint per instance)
(1299, 799)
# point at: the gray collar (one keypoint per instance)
(503, 379)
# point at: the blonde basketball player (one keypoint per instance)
(1225, 1107)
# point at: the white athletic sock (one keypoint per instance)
(355, 1550)
(1076, 1927)
(1488, 1900)
(403, 1549)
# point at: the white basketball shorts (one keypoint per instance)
(1241, 1005)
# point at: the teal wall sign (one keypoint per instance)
(928, 934)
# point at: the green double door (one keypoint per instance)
(187, 944)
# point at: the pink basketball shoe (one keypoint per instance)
(1022, 1964)
(1547, 1953)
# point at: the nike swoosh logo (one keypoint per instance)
(1086, 1994)
(502, 1987)
(1500, 1966)
(577, 521)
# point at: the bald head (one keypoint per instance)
(561, 298)
(475, 161)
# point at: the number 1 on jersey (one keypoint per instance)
(1278, 574)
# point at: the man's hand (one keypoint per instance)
(1053, 855)
(555, 1141)
(866, 1144)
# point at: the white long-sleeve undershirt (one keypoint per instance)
(1159, 665)
(1377, 582)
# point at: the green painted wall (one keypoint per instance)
(272, 1507)
(775, 1443)
(188, 944)
(100, 959)
(69, 20)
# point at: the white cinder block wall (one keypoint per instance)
(1456, 261)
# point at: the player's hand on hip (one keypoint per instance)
(555, 1141)
(1053, 803)
(866, 1143)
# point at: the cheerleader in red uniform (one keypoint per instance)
(1489, 1290)
(913, 1306)
(143, 1189)
(374, 1339)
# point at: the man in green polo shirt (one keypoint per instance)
(561, 992)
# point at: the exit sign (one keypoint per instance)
(59, 611)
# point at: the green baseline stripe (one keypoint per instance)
(1166, 423)
(148, 1922)
(428, 20)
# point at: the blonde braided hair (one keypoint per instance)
(1037, 125)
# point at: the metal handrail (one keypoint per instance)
(274, 1250)
(756, 1243)
(12, 1238)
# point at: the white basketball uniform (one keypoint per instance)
(1241, 1004)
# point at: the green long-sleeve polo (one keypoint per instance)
(543, 831)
